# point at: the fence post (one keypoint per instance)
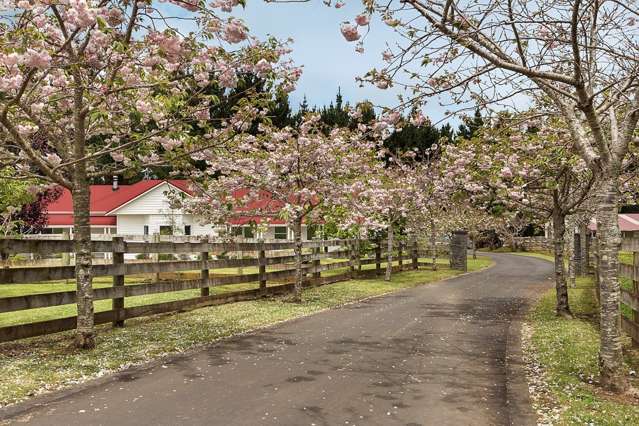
(415, 254)
(378, 257)
(66, 256)
(635, 288)
(204, 272)
(596, 267)
(261, 261)
(117, 303)
(351, 255)
(400, 246)
(156, 256)
(316, 262)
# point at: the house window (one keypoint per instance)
(166, 230)
(146, 229)
(311, 231)
(187, 229)
(280, 232)
(248, 232)
(237, 231)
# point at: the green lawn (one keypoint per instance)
(567, 351)
(32, 366)
(540, 255)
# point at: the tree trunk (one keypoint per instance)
(85, 334)
(389, 255)
(559, 229)
(297, 237)
(609, 237)
(569, 246)
(433, 246)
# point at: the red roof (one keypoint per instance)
(628, 222)
(104, 199)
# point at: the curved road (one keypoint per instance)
(441, 354)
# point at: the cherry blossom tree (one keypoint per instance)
(288, 173)
(525, 175)
(85, 80)
(385, 202)
(576, 58)
(400, 192)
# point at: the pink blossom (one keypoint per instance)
(37, 59)
(235, 31)
(117, 156)
(362, 20)
(339, 5)
(228, 79)
(53, 159)
(392, 117)
(387, 55)
(263, 67)
(391, 22)
(418, 119)
(225, 5)
(349, 32)
(143, 107)
(382, 83)
(203, 114)
(506, 172)
(10, 60)
(190, 5)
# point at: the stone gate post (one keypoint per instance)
(458, 250)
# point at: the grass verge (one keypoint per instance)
(37, 365)
(566, 351)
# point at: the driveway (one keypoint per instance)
(440, 354)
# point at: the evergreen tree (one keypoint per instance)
(447, 132)
(336, 115)
(471, 126)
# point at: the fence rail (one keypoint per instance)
(211, 256)
(629, 297)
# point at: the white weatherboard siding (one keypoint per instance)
(269, 234)
(154, 201)
(133, 224)
(153, 210)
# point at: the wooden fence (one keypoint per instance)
(629, 297)
(345, 255)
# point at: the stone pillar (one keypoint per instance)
(458, 250)
(585, 249)
(576, 253)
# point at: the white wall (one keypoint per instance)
(153, 201)
(133, 224)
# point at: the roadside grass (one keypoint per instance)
(502, 249)
(625, 257)
(37, 365)
(567, 351)
(540, 255)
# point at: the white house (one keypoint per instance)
(143, 209)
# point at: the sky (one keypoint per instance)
(328, 60)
